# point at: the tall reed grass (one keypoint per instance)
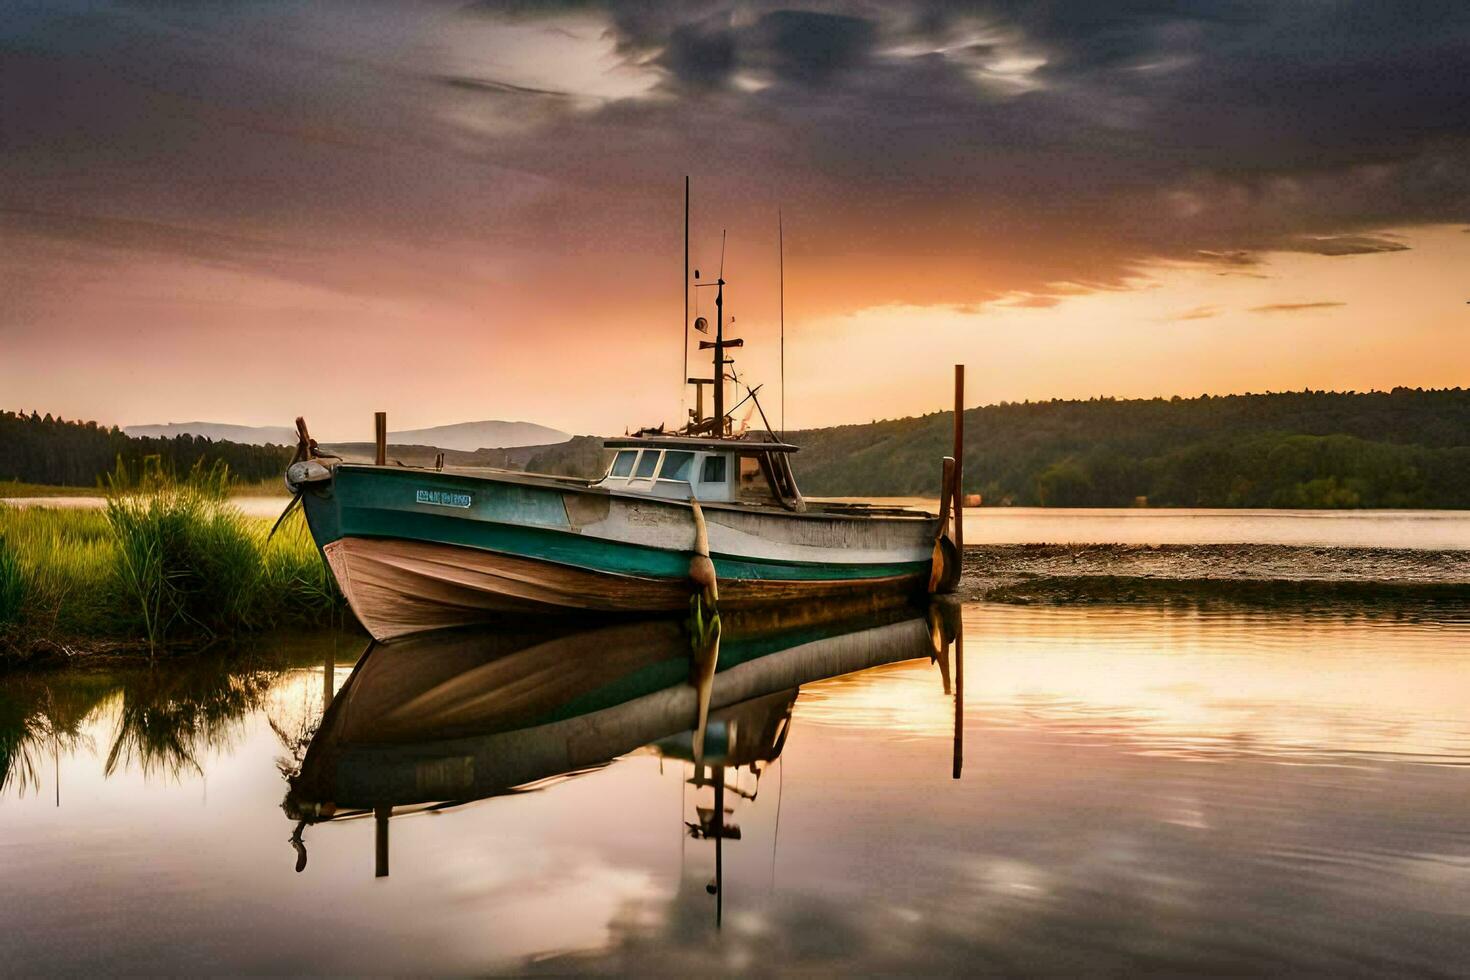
(169, 562)
(12, 584)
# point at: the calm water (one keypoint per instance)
(1418, 529)
(1140, 788)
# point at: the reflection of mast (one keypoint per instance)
(380, 840)
(719, 844)
(749, 735)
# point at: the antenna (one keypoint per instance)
(684, 373)
(781, 276)
(722, 253)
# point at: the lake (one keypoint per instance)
(1415, 529)
(1140, 788)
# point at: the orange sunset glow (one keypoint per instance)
(452, 211)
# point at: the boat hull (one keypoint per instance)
(415, 550)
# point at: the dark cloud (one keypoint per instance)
(812, 47)
(924, 152)
(1294, 307)
(1349, 244)
(701, 54)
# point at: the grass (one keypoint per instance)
(169, 564)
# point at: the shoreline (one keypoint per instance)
(1334, 581)
(1235, 575)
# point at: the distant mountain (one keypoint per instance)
(469, 436)
(463, 436)
(248, 435)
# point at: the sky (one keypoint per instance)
(242, 212)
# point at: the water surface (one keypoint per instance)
(1414, 529)
(1417, 529)
(1141, 788)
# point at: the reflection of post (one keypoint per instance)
(380, 839)
(719, 774)
(959, 696)
(329, 670)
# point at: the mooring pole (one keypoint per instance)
(959, 544)
(380, 437)
(959, 462)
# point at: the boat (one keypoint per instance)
(713, 506)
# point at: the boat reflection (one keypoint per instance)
(441, 720)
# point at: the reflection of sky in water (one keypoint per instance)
(1085, 834)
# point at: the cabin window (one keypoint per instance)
(647, 463)
(676, 466)
(714, 469)
(623, 462)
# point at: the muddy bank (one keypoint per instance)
(1251, 575)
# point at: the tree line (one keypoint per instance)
(38, 448)
(1401, 448)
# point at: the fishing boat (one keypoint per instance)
(712, 506)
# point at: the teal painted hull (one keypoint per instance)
(431, 537)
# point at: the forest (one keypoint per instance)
(1313, 449)
(38, 448)
(1407, 447)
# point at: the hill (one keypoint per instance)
(577, 456)
(461, 436)
(1404, 448)
(54, 451)
(470, 436)
(245, 435)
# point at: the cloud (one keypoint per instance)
(1032, 301)
(1229, 257)
(1350, 244)
(1197, 313)
(1294, 307)
(923, 153)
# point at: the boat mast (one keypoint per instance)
(685, 370)
(719, 346)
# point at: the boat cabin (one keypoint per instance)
(714, 470)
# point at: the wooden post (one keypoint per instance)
(959, 542)
(380, 437)
(959, 462)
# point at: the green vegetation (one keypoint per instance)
(46, 450)
(168, 564)
(1405, 448)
